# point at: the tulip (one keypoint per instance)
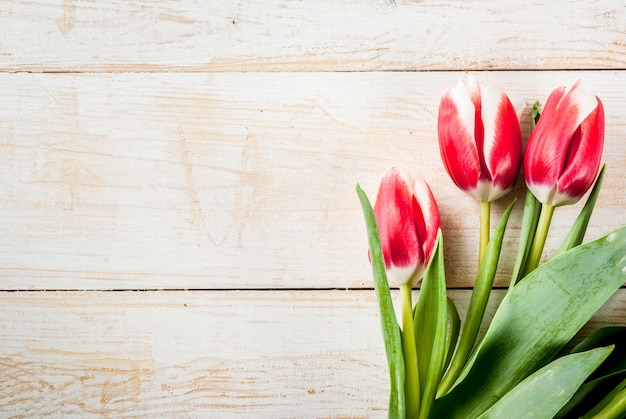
(565, 149)
(480, 144)
(480, 139)
(408, 222)
(563, 155)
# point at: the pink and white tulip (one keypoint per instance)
(564, 151)
(480, 139)
(408, 222)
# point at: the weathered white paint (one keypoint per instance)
(292, 35)
(239, 180)
(200, 354)
(151, 153)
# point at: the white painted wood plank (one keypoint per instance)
(280, 35)
(200, 354)
(239, 180)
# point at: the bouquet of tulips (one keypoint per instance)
(519, 369)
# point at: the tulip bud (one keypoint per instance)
(408, 222)
(565, 148)
(480, 139)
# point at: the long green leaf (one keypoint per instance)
(542, 394)
(611, 372)
(611, 335)
(580, 401)
(388, 320)
(536, 319)
(600, 337)
(431, 318)
(612, 406)
(454, 322)
(577, 232)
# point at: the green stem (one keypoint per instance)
(412, 384)
(478, 303)
(540, 238)
(485, 214)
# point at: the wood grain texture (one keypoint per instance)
(291, 35)
(201, 354)
(215, 146)
(240, 180)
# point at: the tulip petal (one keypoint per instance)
(479, 139)
(541, 165)
(427, 214)
(473, 89)
(583, 159)
(394, 214)
(457, 144)
(563, 152)
(408, 220)
(394, 210)
(564, 112)
(397, 275)
(502, 144)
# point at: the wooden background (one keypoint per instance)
(180, 232)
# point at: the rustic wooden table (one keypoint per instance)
(180, 232)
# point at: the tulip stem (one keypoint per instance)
(412, 384)
(485, 215)
(543, 225)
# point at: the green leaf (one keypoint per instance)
(601, 336)
(454, 322)
(535, 113)
(388, 320)
(431, 321)
(613, 406)
(532, 208)
(610, 373)
(612, 335)
(580, 401)
(536, 319)
(542, 394)
(577, 232)
(477, 305)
